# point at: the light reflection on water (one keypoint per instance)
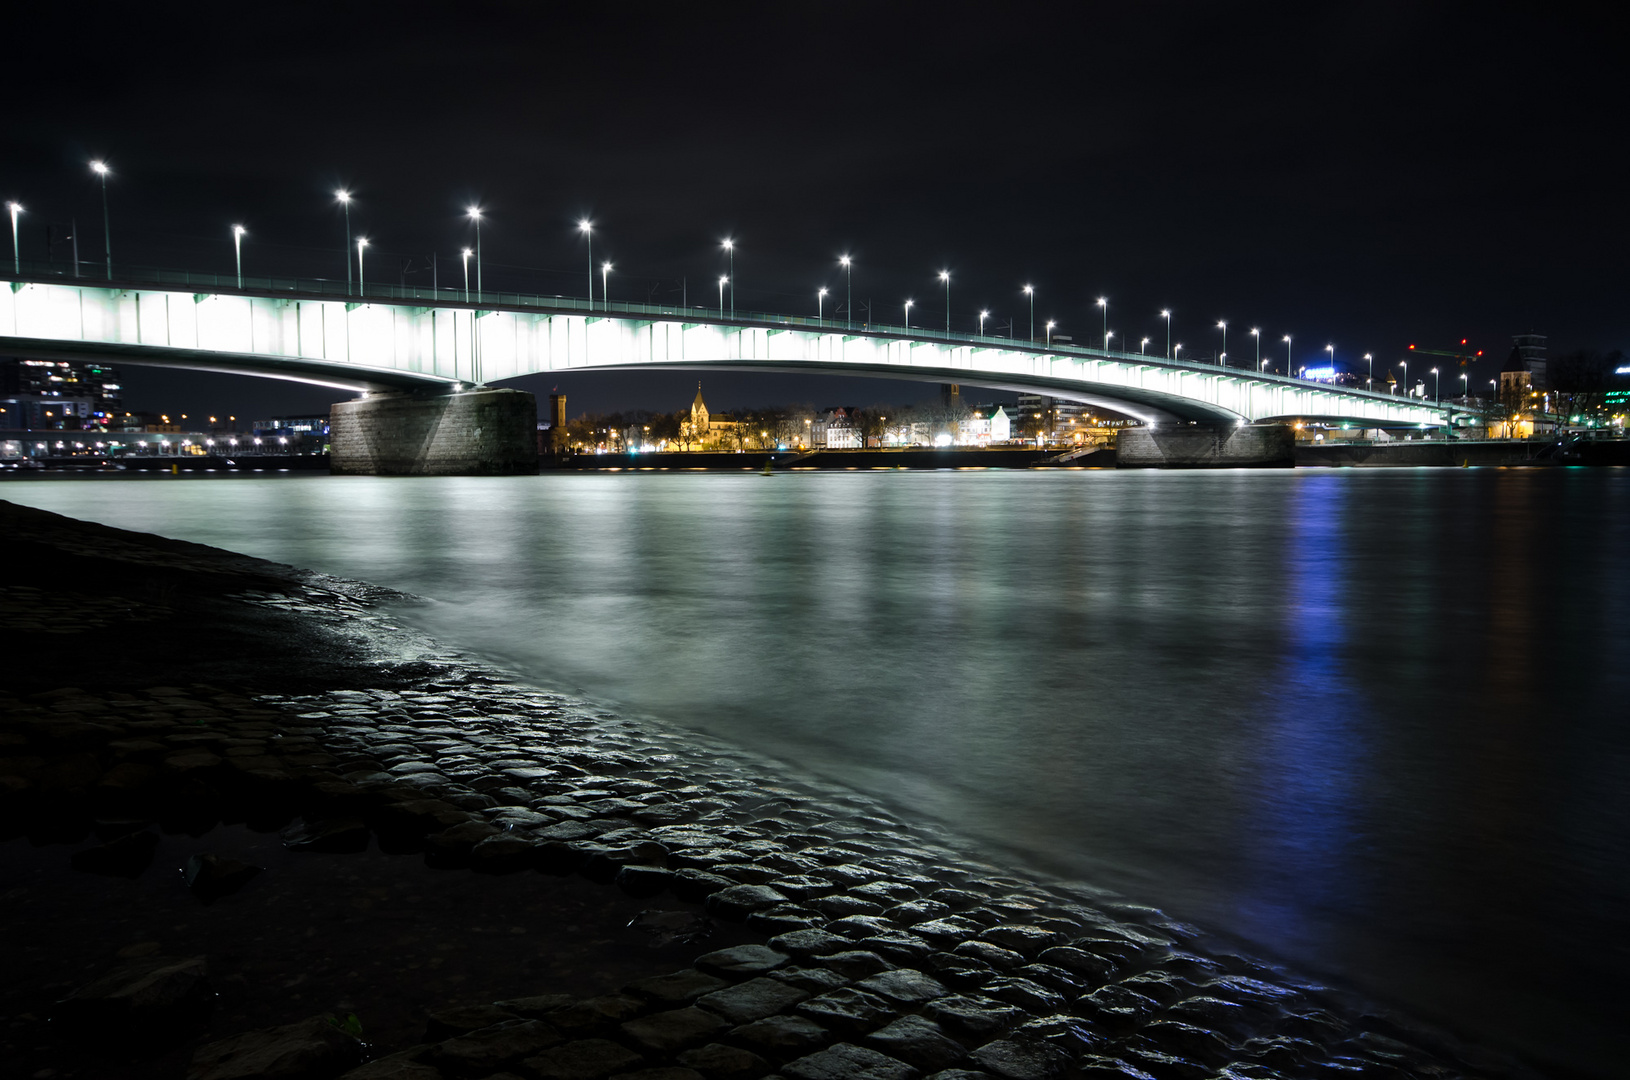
(1370, 721)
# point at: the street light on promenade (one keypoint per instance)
(1437, 396)
(1107, 335)
(1222, 324)
(908, 313)
(1287, 356)
(475, 216)
(1167, 315)
(605, 286)
(1465, 386)
(1405, 365)
(16, 260)
(1369, 380)
(983, 315)
(1030, 291)
(1257, 333)
(945, 276)
(1103, 302)
(1177, 349)
(100, 168)
(465, 255)
(730, 249)
(362, 286)
(345, 200)
(1050, 324)
(237, 250)
(1331, 350)
(722, 280)
(587, 229)
(820, 303)
(849, 283)
(1143, 346)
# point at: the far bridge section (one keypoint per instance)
(435, 347)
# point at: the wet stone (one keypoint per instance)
(676, 1029)
(742, 961)
(781, 1037)
(811, 943)
(847, 1010)
(846, 1061)
(917, 1041)
(899, 947)
(975, 1017)
(1079, 962)
(1016, 1059)
(753, 1000)
(504, 853)
(717, 1061)
(311, 1047)
(484, 1051)
(661, 1072)
(739, 901)
(815, 980)
(595, 1015)
(1027, 995)
(585, 1059)
(904, 985)
(679, 988)
(856, 964)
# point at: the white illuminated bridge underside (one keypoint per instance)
(401, 344)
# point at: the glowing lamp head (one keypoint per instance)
(1051, 324)
(1286, 339)
(362, 242)
(100, 168)
(239, 230)
(1103, 301)
(605, 268)
(730, 245)
(1028, 290)
(585, 226)
(15, 208)
(343, 196)
(474, 212)
(466, 253)
(984, 314)
(1222, 325)
(1255, 332)
(822, 292)
(945, 275)
(1165, 314)
(843, 260)
(723, 279)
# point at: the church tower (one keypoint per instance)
(698, 414)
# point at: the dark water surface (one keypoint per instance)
(1372, 722)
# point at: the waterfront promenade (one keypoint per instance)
(814, 933)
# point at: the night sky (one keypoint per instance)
(1365, 174)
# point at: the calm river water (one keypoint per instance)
(1371, 722)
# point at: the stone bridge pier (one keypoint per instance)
(1203, 446)
(473, 431)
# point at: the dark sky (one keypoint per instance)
(1363, 174)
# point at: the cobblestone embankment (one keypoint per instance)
(889, 951)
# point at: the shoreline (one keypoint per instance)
(894, 950)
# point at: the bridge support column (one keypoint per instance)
(476, 432)
(1206, 447)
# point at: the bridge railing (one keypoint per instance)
(126, 276)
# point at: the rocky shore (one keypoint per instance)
(255, 827)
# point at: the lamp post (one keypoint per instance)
(1405, 365)
(1287, 356)
(1143, 346)
(1050, 324)
(345, 200)
(587, 229)
(1167, 315)
(1369, 379)
(908, 313)
(1331, 351)
(1177, 349)
(605, 286)
(465, 254)
(820, 302)
(1257, 333)
(722, 280)
(1222, 324)
(983, 315)
(1103, 302)
(730, 249)
(1465, 386)
(100, 168)
(1107, 335)
(237, 250)
(945, 276)
(1030, 291)
(1437, 396)
(16, 259)
(362, 287)
(849, 283)
(475, 216)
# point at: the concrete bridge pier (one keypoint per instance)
(1204, 446)
(473, 431)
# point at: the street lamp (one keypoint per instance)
(100, 168)
(1222, 325)
(1142, 346)
(1331, 350)
(362, 288)
(475, 216)
(1369, 380)
(983, 315)
(1177, 349)
(16, 260)
(1167, 315)
(237, 249)
(587, 229)
(730, 249)
(1465, 386)
(1103, 302)
(849, 282)
(1050, 325)
(1287, 356)
(345, 200)
(945, 276)
(820, 303)
(1405, 365)
(465, 254)
(1256, 333)
(908, 313)
(1107, 335)
(1437, 398)
(1031, 292)
(722, 280)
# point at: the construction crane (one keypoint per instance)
(1462, 356)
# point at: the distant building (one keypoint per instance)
(985, 424)
(1055, 414)
(58, 395)
(837, 429)
(704, 428)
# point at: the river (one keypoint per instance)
(1371, 723)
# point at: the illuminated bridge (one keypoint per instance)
(396, 338)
